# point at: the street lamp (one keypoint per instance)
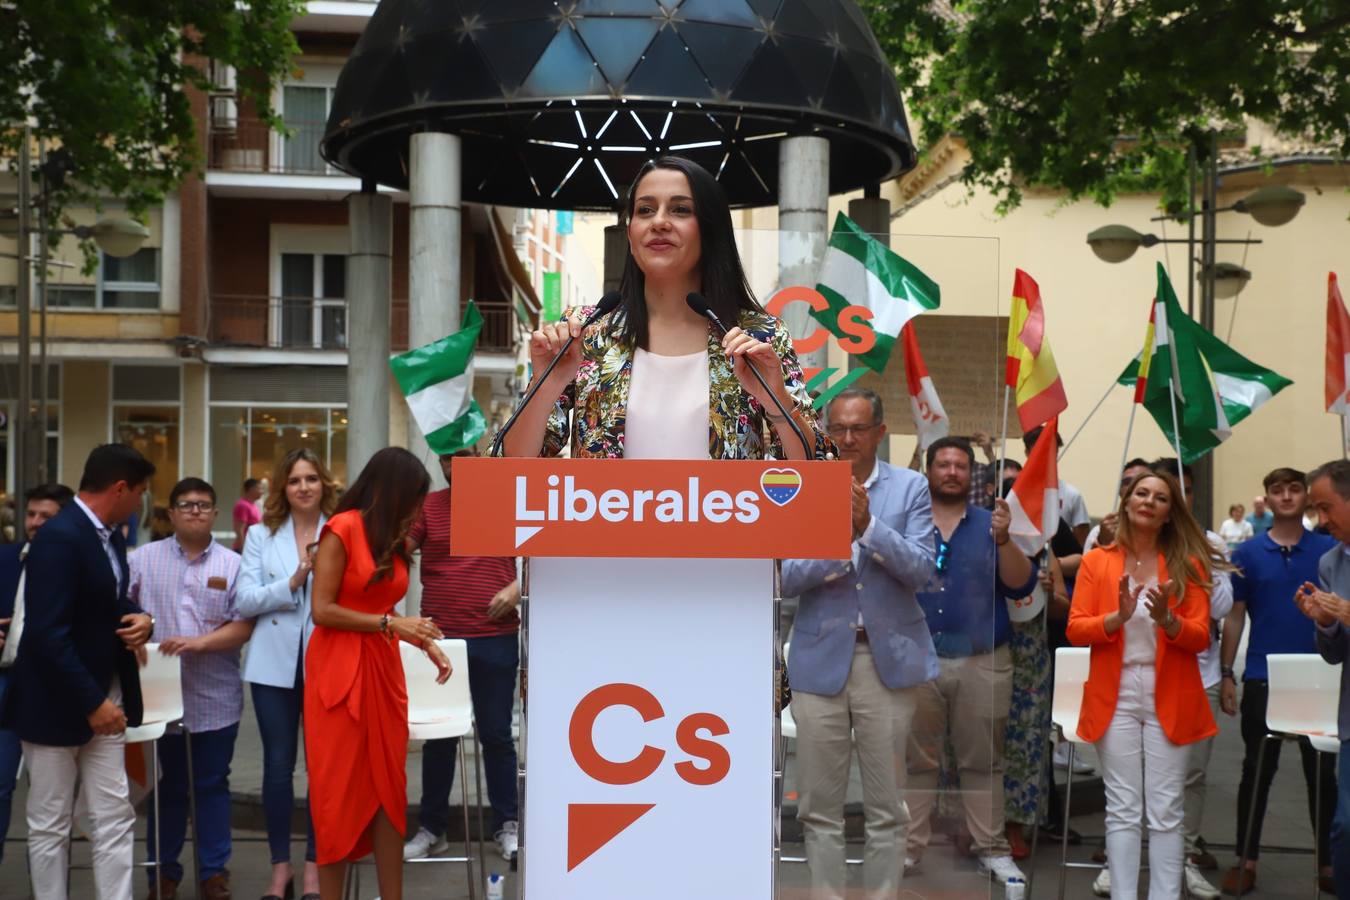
(116, 236)
(1271, 206)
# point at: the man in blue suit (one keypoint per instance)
(75, 686)
(40, 504)
(860, 647)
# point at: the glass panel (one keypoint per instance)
(276, 432)
(141, 266)
(333, 321)
(305, 110)
(77, 297)
(297, 313)
(334, 275)
(154, 431)
(130, 299)
(337, 459)
(229, 450)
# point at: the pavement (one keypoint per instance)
(1286, 865)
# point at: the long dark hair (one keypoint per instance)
(388, 493)
(722, 279)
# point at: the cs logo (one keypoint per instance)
(592, 825)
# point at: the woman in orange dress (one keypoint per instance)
(356, 702)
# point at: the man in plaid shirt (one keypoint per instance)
(187, 583)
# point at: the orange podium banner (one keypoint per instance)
(650, 508)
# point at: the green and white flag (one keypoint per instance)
(859, 270)
(437, 382)
(1215, 386)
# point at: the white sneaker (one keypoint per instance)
(1102, 885)
(1197, 886)
(1000, 868)
(424, 844)
(911, 865)
(1080, 765)
(508, 840)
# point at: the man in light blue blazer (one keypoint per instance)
(860, 646)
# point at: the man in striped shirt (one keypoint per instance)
(475, 598)
(187, 583)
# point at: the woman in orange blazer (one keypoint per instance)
(1142, 605)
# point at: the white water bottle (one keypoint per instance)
(496, 885)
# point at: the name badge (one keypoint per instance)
(217, 583)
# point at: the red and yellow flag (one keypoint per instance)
(1031, 371)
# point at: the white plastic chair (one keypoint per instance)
(162, 704)
(437, 711)
(1303, 702)
(1072, 665)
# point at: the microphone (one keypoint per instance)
(699, 305)
(607, 305)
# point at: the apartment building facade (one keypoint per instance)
(221, 344)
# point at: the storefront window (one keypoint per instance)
(154, 431)
(248, 441)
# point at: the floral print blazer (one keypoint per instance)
(737, 425)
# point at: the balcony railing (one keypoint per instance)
(320, 323)
(249, 145)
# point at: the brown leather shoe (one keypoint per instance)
(1204, 861)
(217, 887)
(168, 890)
(1237, 882)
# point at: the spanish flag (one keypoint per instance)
(1031, 372)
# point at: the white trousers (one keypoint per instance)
(100, 766)
(873, 720)
(1142, 769)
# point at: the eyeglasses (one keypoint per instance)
(944, 556)
(838, 431)
(194, 506)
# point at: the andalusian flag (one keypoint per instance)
(437, 382)
(1215, 387)
(1037, 388)
(859, 270)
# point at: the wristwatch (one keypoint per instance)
(1227, 672)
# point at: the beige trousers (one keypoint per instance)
(874, 720)
(969, 699)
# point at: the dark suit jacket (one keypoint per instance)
(9, 578)
(70, 650)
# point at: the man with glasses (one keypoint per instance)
(859, 650)
(187, 583)
(978, 569)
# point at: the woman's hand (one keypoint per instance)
(302, 571)
(1129, 599)
(545, 344)
(744, 351)
(1160, 603)
(414, 630)
(437, 655)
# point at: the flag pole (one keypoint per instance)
(1345, 437)
(1176, 431)
(1083, 424)
(1002, 443)
(1129, 430)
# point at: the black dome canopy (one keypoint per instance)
(559, 103)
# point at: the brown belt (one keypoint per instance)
(861, 635)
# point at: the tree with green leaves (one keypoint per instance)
(102, 82)
(1096, 97)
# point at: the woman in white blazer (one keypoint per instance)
(273, 588)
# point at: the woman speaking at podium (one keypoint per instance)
(657, 379)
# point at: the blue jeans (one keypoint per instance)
(1340, 827)
(279, 713)
(493, 662)
(9, 766)
(212, 752)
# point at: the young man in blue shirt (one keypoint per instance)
(965, 603)
(1271, 568)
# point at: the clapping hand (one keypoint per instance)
(861, 506)
(1334, 606)
(1160, 602)
(1307, 599)
(1129, 599)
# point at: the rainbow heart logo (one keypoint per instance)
(780, 485)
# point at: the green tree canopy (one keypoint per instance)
(103, 81)
(1094, 97)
